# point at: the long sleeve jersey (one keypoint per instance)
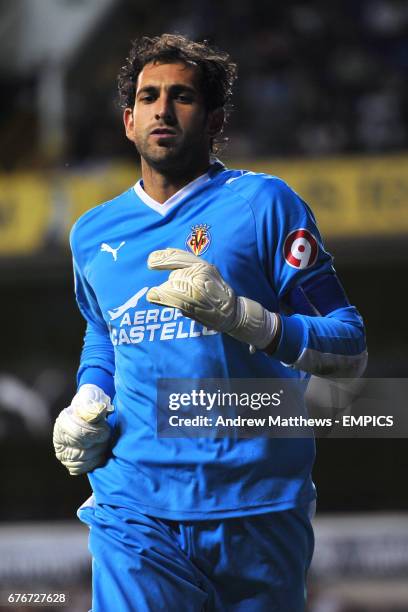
(264, 241)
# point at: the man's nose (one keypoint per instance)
(165, 111)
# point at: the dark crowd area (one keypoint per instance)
(315, 78)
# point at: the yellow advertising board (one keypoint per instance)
(359, 196)
(351, 197)
(26, 209)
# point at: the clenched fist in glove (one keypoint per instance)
(197, 289)
(81, 433)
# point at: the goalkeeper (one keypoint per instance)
(197, 271)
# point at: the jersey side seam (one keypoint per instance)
(248, 202)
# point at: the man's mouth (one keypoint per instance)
(163, 132)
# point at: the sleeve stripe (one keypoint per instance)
(332, 345)
(326, 364)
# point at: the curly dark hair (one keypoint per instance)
(218, 72)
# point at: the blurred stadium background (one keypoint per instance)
(322, 102)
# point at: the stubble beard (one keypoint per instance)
(162, 158)
(172, 160)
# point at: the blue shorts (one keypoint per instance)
(145, 564)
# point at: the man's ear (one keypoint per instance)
(128, 123)
(215, 122)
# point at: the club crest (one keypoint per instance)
(199, 239)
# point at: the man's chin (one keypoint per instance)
(166, 158)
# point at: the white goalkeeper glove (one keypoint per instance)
(81, 433)
(197, 289)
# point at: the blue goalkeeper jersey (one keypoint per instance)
(264, 241)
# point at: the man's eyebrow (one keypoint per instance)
(146, 88)
(173, 87)
(183, 87)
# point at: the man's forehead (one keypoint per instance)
(156, 74)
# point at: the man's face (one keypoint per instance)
(169, 123)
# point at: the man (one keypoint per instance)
(193, 524)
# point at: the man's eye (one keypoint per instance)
(146, 98)
(184, 98)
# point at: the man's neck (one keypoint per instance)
(161, 187)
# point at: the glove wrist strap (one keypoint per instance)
(275, 339)
(256, 325)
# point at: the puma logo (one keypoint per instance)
(108, 249)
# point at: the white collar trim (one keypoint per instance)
(164, 208)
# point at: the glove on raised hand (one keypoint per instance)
(81, 433)
(197, 289)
